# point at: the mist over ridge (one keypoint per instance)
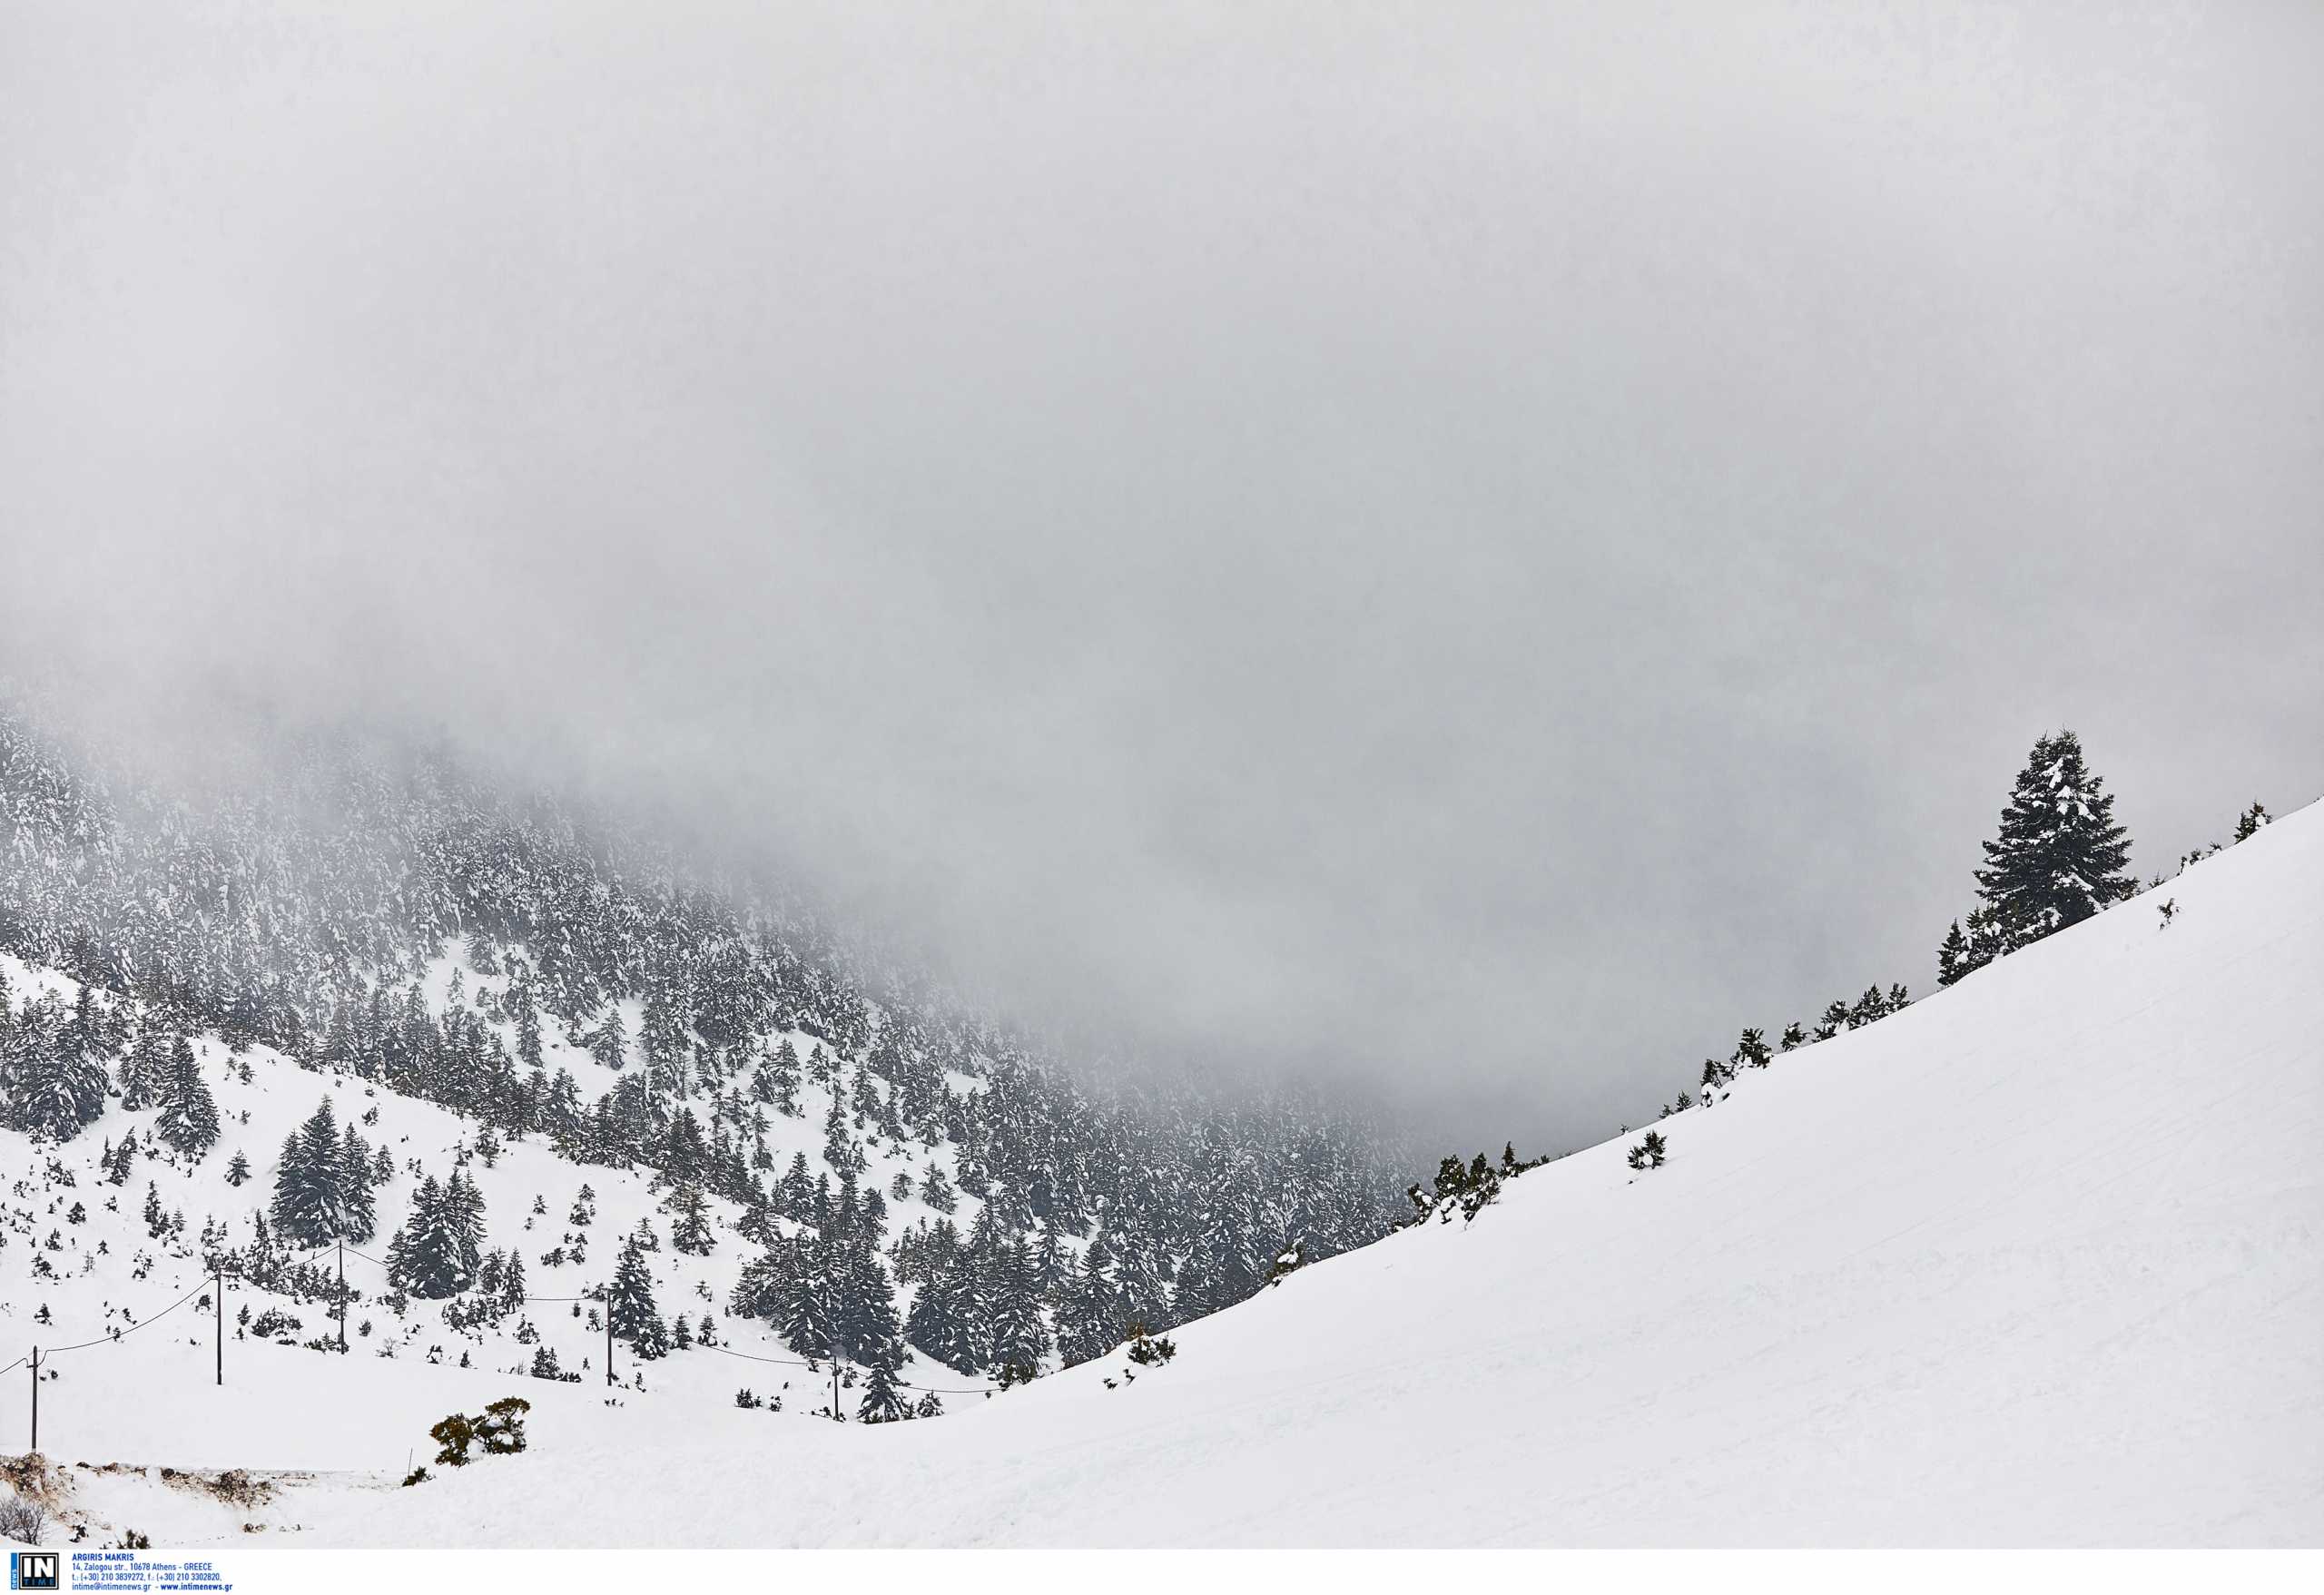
(1469, 556)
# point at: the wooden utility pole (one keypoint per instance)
(609, 1335)
(36, 1398)
(342, 1296)
(836, 1417)
(218, 1295)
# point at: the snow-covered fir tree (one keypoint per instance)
(188, 1120)
(435, 1253)
(51, 1085)
(630, 1302)
(317, 1199)
(2060, 857)
(882, 1402)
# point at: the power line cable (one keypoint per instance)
(110, 1337)
(793, 1363)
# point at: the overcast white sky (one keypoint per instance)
(1478, 549)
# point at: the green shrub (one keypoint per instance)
(501, 1431)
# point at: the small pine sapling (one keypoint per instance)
(1149, 1351)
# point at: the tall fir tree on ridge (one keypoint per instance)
(2059, 858)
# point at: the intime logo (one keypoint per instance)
(32, 1569)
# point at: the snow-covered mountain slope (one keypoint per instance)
(462, 996)
(2038, 1261)
(79, 1258)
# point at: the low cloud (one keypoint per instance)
(1465, 554)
